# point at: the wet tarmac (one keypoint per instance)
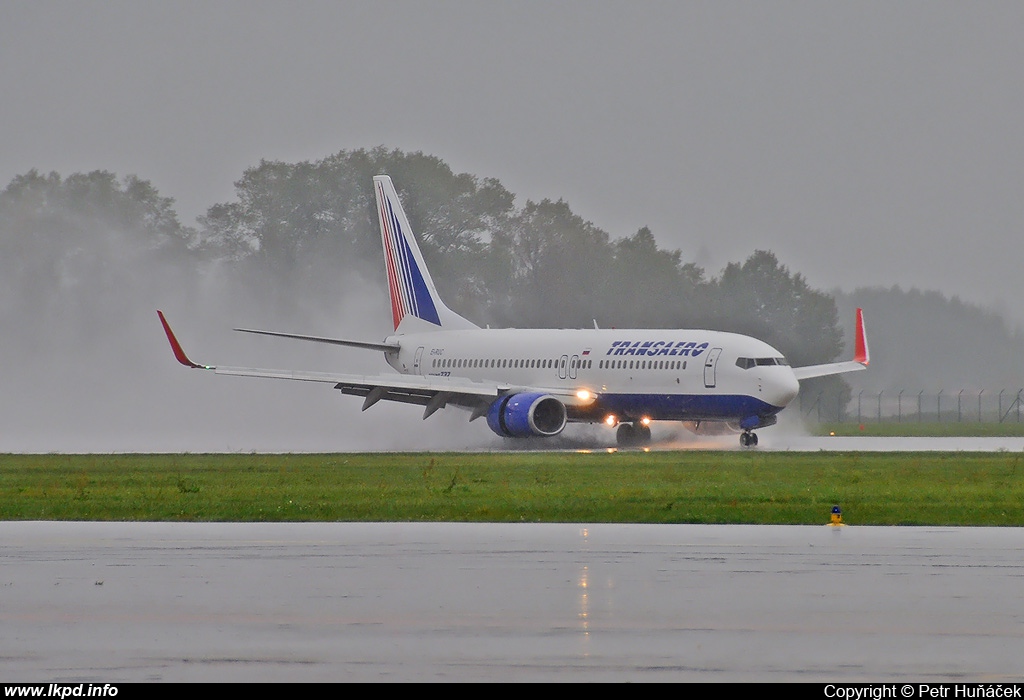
(445, 602)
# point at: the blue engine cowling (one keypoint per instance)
(751, 422)
(526, 415)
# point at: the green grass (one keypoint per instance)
(623, 487)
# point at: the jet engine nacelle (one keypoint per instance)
(526, 415)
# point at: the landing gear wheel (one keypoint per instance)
(643, 434)
(625, 435)
(748, 439)
(632, 434)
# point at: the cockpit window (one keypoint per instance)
(748, 362)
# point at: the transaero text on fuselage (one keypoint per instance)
(656, 347)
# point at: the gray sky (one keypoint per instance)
(865, 143)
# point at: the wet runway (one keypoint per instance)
(798, 443)
(771, 440)
(123, 602)
(782, 441)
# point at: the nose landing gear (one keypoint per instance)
(747, 425)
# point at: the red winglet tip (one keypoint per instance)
(179, 354)
(861, 350)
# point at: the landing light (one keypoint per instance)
(645, 420)
(611, 420)
(583, 394)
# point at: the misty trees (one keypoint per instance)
(652, 287)
(303, 236)
(556, 262)
(77, 251)
(61, 211)
(923, 340)
(566, 272)
(314, 225)
(86, 259)
(762, 298)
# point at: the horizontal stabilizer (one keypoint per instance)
(383, 347)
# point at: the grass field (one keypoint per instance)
(927, 488)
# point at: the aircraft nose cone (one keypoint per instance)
(784, 389)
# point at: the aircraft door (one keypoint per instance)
(563, 367)
(710, 363)
(574, 364)
(416, 361)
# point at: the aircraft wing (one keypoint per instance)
(430, 391)
(826, 370)
(860, 360)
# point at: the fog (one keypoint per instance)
(89, 368)
(868, 145)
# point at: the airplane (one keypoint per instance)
(531, 383)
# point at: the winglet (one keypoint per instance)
(860, 360)
(179, 354)
(861, 346)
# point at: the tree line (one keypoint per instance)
(301, 233)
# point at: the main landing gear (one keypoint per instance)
(748, 439)
(632, 434)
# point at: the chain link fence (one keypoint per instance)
(908, 406)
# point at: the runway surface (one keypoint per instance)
(141, 602)
(782, 441)
(894, 444)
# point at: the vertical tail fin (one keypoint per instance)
(413, 295)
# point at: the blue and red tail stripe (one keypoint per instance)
(409, 292)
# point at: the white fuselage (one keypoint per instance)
(635, 374)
